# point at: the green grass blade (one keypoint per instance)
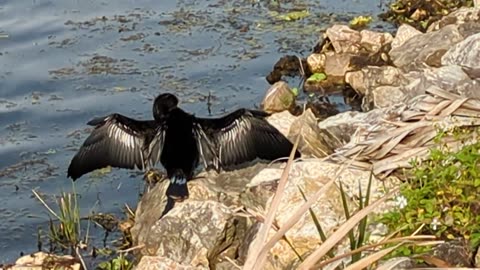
(293, 248)
(314, 218)
(316, 222)
(351, 236)
(362, 227)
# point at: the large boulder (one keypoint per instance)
(310, 176)
(404, 33)
(190, 233)
(465, 54)
(425, 49)
(462, 17)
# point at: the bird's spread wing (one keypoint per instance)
(238, 137)
(118, 141)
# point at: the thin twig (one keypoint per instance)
(84, 266)
(233, 263)
(45, 204)
(131, 249)
(342, 231)
(412, 240)
(254, 260)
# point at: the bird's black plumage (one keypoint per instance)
(179, 141)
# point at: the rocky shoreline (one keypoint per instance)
(218, 222)
(410, 82)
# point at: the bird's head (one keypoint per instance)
(163, 105)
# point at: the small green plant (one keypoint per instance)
(66, 232)
(360, 21)
(356, 241)
(443, 194)
(118, 263)
(317, 77)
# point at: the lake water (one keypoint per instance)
(67, 61)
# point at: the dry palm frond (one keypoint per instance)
(394, 144)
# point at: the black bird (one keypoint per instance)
(178, 140)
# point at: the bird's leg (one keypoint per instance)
(153, 176)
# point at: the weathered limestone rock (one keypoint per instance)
(278, 98)
(371, 77)
(344, 39)
(282, 121)
(374, 41)
(149, 210)
(310, 176)
(189, 232)
(42, 260)
(385, 86)
(459, 17)
(386, 96)
(316, 62)
(313, 140)
(469, 89)
(465, 54)
(404, 33)
(350, 122)
(446, 77)
(425, 49)
(162, 263)
(337, 64)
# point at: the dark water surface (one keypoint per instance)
(68, 61)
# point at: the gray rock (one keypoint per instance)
(459, 17)
(387, 96)
(149, 210)
(371, 77)
(189, 232)
(425, 49)
(337, 64)
(314, 141)
(316, 62)
(456, 252)
(162, 263)
(278, 98)
(344, 39)
(282, 121)
(42, 260)
(465, 54)
(374, 41)
(349, 122)
(310, 176)
(469, 89)
(404, 33)
(446, 77)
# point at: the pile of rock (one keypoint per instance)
(215, 227)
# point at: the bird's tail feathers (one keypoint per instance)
(178, 189)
